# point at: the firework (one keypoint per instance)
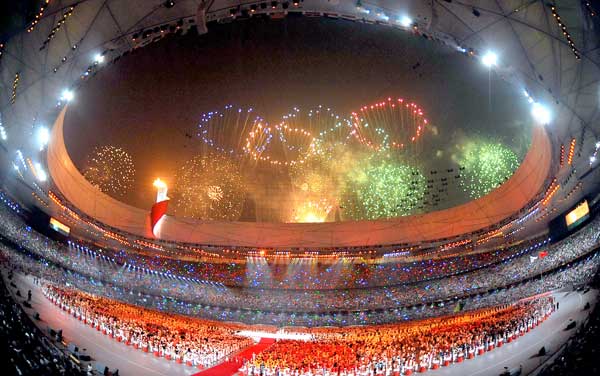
(312, 211)
(295, 144)
(319, 171)
(111, 170)
(485, 166)
(209, 187)
(299, 135)
(317, 175)
(323, 122)
(258, 140)
(216, 127)
(382, 187)
(317, 150)
(215, 193)
(333, 131)
(390, 124)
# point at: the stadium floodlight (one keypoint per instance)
(67, 95)
(529, 98)
(541, 114)
(43, 136)
(39, 172)
(98, 58)
(592, 159)
(405, 21)
(490, 59)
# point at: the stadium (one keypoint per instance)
(310, 187)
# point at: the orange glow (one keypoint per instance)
(159, 184)
(571, 151)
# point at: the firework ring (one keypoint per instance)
(210, 119)
(297, 140)
(389, 109)
(258, 140)
(329, 124)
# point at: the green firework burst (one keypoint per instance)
(486, 165)
(383, 187)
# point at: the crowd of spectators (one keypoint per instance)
(568, 276)
(310, 274)
(301, 274)
(401, 349)
(195, 342)
(25, 350)
(390, 349)
(397, 349)
(479, 288)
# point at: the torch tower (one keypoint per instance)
(159, 209)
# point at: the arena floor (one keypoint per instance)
(550, 334)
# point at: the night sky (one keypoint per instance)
(150, 101)
(15, 15)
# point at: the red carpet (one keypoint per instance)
(230, 368)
